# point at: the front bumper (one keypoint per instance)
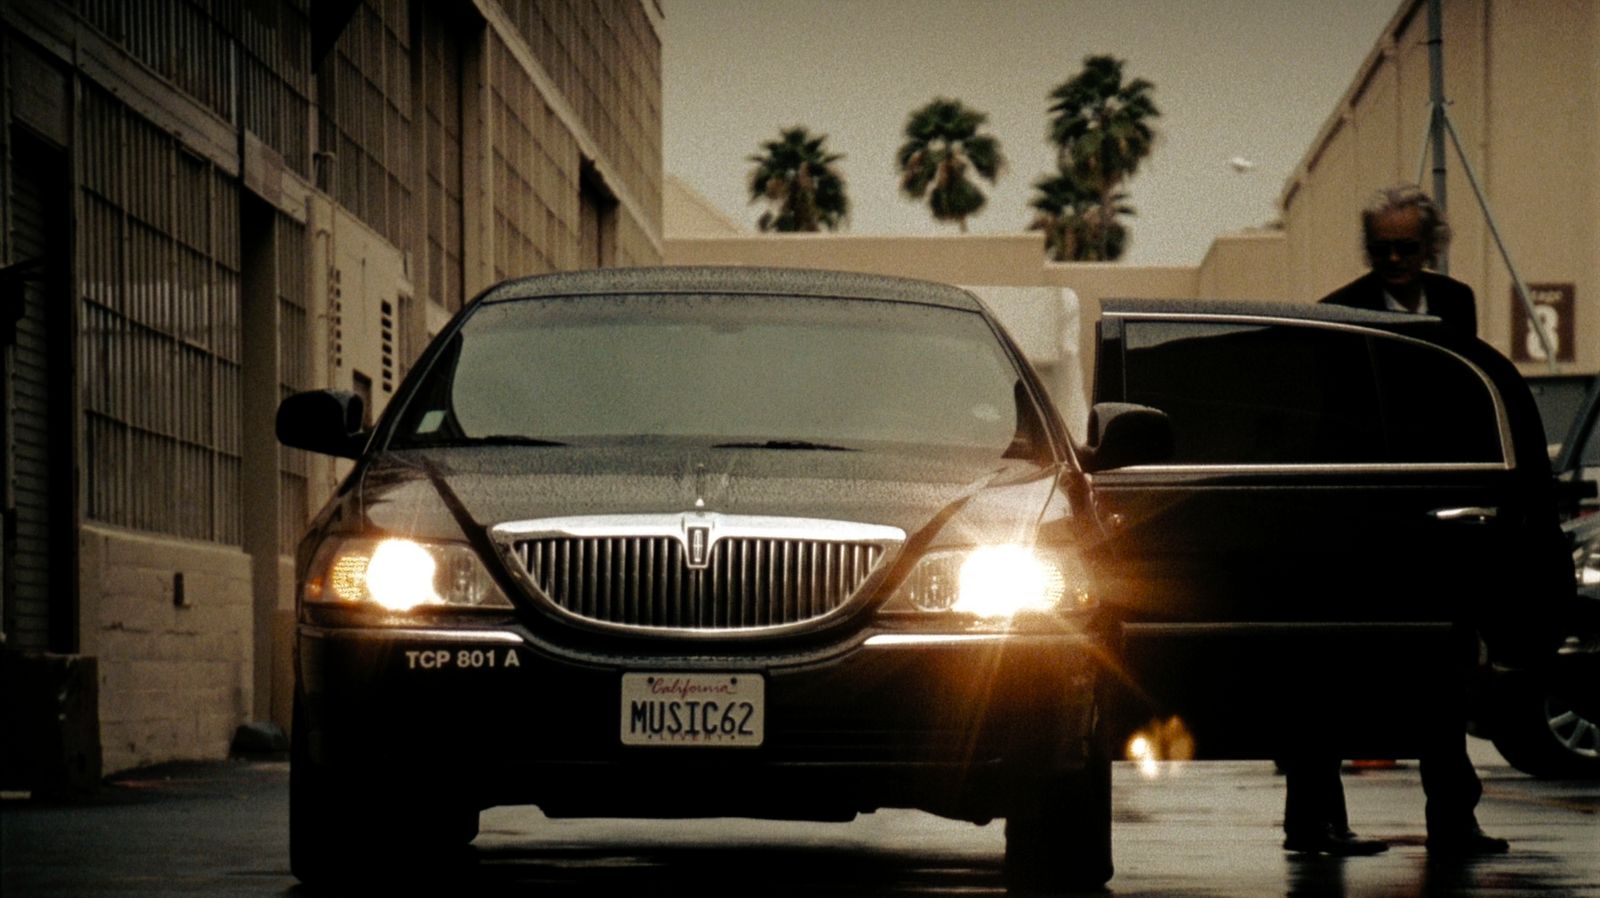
(950, 724)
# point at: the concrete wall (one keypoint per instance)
(175, 679)
(685, 213)
(1246, 265)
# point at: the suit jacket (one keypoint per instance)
(1448, 299)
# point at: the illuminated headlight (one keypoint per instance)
(400, 575)
(1586, 563)
(994, 582)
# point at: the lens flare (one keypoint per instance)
(1160, 747)
(1143, 755)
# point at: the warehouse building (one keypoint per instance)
(211, 204)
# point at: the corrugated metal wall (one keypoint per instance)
(364, 115)
(535, 174)
(294, 372)
(36, 391)
(442, 53)
(159, 346)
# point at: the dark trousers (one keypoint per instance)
(1314, 796)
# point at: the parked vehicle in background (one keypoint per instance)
(1546, 722)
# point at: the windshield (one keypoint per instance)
(773, 372)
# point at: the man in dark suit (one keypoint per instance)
(1403, 231)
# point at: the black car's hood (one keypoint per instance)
(432, 492)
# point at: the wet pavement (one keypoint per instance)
(1208, 829)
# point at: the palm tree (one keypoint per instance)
(1102, 133)
(795, 176)
(1070, 214)
(942, 143)
(1060, 202)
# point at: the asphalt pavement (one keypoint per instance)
(1207, 829)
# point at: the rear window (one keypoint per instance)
(852, 373)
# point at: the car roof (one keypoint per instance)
(734, 280)
(1306, 311)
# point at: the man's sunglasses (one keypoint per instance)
(1383, 249)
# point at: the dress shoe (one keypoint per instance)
(1334, 841)
(1468, 842)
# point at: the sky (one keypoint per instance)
(1250, 79)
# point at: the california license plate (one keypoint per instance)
(693, 709)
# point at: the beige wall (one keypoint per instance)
(1246, 265)
(1523, 82)
(685, 213)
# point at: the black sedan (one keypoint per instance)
(704, 542)
(683, 543)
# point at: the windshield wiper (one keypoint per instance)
(786, 444)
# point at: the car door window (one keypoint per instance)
(1437, 408)
(1270, 394)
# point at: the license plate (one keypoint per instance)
(693, 709)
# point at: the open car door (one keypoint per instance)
(1348, 496)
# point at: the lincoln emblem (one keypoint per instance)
(699, 547)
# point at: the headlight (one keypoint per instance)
(401, 574)
(1586, 563)
(994, 582)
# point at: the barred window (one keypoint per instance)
(192, 44)
(535, 175)
(442, 78)
(275, 77)
(180, 39)
(605, 59)
(294, 372)
(160, 343)
(364, 115)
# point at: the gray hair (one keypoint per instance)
(1435, 230)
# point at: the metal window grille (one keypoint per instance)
(364, 117)
(535, 176)
(208, 49)
(160, 344)
(294, 372)
(602, 56)
(275, 77)
(442, 84)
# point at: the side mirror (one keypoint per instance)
(1122, 434)
(323, 421)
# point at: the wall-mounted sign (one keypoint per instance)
(1553, 305)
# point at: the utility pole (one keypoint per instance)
(1439, 127)
(1436, 120)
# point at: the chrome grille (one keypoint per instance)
(745, 573)
(746, 582)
